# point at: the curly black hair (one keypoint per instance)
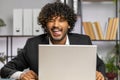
(57, 9)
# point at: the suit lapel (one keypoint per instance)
(45, 39)
(72, 39)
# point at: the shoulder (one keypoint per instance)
(75, 35)
(79, 39)
(39, 38)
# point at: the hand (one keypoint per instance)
(99, 76)
(29, 75)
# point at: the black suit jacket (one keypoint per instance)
(28, 58)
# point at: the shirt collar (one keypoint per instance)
(67, 41)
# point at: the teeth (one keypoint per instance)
(55, 30)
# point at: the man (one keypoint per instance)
(57, 20)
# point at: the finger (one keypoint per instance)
(24, 78)
(33, 73)
(99, 76)
(32, 79)
(27, 76)
(103, 77)
(30, 76)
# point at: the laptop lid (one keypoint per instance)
(67, 62)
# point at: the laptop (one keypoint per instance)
(67, 62)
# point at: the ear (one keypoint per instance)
(68, 27)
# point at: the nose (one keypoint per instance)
(56, 23)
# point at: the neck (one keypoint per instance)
(59, 42)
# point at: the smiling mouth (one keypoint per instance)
(56, 32)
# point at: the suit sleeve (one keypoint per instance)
(19, 63)
(100, 64)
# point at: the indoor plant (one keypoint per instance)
(2, 23)
(2, 57)
(111, 68)
(111, 63)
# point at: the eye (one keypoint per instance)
(62, 20)
(51, 20)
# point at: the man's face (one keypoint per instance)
(57, 28)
